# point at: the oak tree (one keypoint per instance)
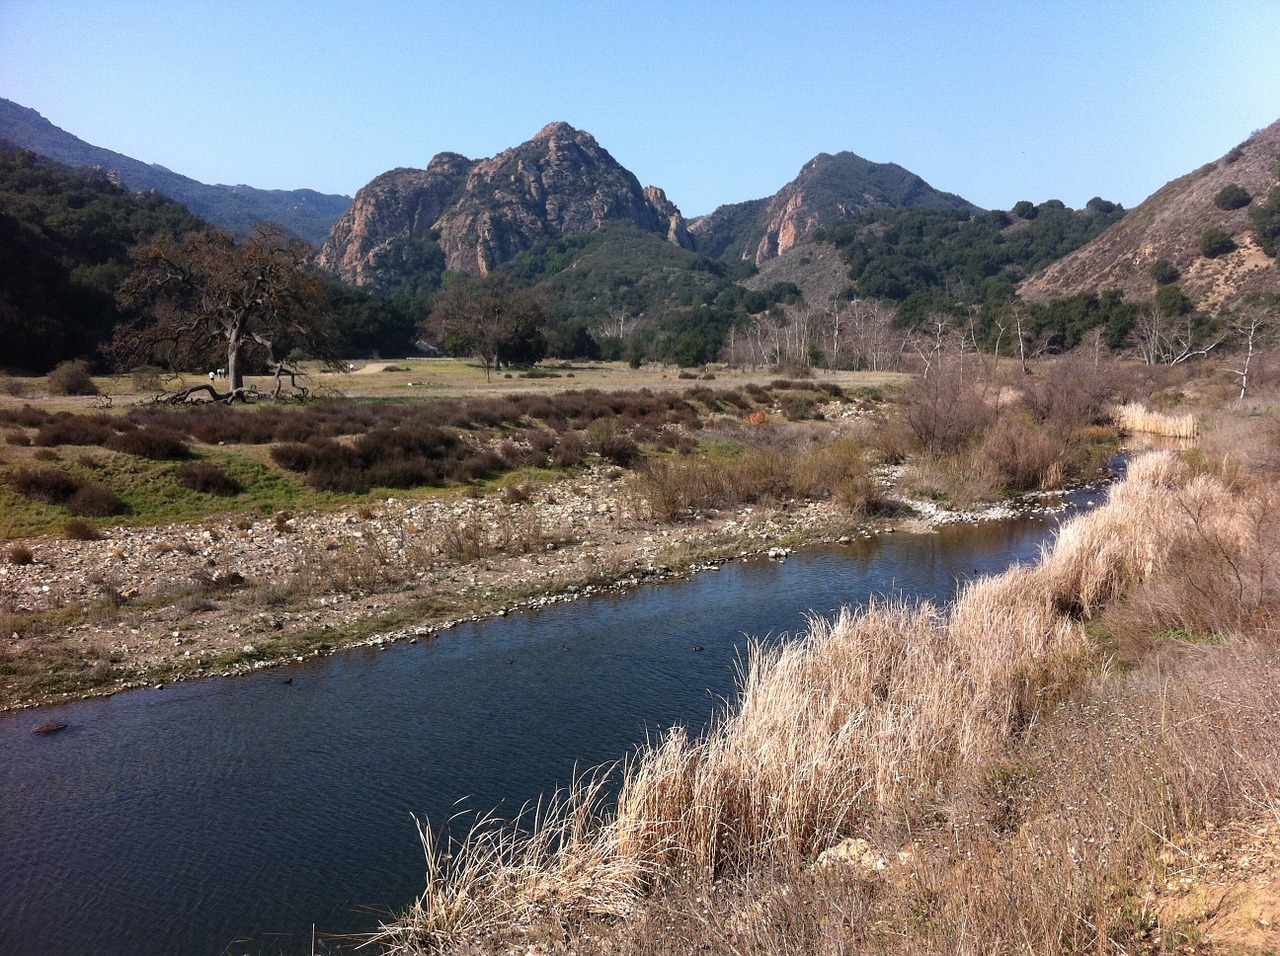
(490, 318)
(208, 295)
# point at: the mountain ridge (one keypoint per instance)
(478, 214)
(306, 212)
(1168, 225)
(829, 188)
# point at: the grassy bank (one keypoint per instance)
(1000, 776)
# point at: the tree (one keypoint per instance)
(1253, 323)
(1164, 272)
(1232, 196)
(1215, 242)
(490, 318)
(208, 295)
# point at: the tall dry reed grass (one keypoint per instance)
(671, 488)
(1136, 418)
(1039, 784)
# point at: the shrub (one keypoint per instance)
(945, 409)
(19, 553)
(75, 430)
(45, 483)
(478, 466)
(297, 456)
(1164, 272)
(1266, 222)
(95, 500)
(798, 408)
(17, 438)
(14, 387)
(1215, 242)
(1170, 300)
(569, 451)
(1022, 454)
(1232, 196)
(77, 529)
(71, 378)
(28, 416)
(156, 443)
(147, 378)
(610, 441)
(208, 478)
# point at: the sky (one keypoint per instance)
(716, 101)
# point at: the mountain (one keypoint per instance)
(307, 213)
(66, 235)
(1169, 225)
(828, 190)
(473, 215)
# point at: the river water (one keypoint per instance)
(233, 815)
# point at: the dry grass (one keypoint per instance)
(1136, 418)
(674, 488)
(978, 729)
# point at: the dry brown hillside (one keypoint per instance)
(1168, 225)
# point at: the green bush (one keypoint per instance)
(1266, 223)
(1164, 272)
(1170, 300)
(1214, 242)
(1232, 196)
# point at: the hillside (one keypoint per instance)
(1169, 225)
(829, 189)
(66, 235)
(474, 215)
(307, 213)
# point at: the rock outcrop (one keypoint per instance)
(486, 212)
(827, 190)
(1168, 225)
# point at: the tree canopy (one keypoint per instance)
(490, 318)
(209, 298)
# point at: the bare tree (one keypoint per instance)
(1162, 339)
(209, 295)
(1254, 324)
(491, 319)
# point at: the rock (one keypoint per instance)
(855, 852)
(486, 212)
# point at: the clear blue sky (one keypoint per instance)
(714, 101)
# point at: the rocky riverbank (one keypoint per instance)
(141, 607)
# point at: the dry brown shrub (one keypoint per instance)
(18, 553)
(77, 529)
(71, 378)
(1022, 454)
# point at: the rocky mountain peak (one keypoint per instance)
(828, 189)
(482, 213)
(558, 130)
(448, 164)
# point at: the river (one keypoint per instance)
(233, 815)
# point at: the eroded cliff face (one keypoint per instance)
(399, 205)
(484, 213)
